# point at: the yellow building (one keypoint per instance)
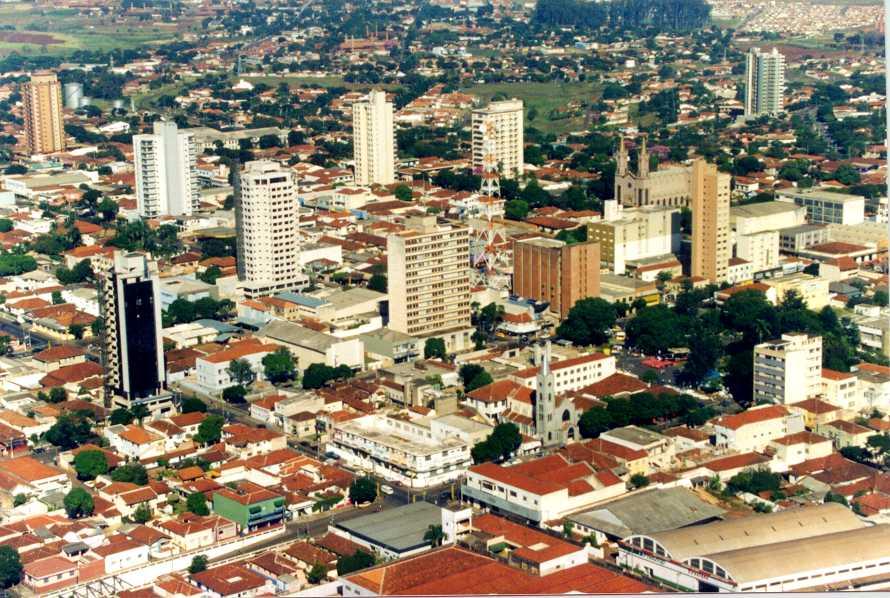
(43, 114)
(710, 222)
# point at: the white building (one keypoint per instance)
(754, 429)
(826, 207)
(373, 140)
(635, 234)
(416, 454)
(765, 83)
(266, 213)
(788, 370)
(166, 175)
(570, 374)
(310, 346)
(213, 370)
(498, 130)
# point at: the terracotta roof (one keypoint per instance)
(804, 437)
(338, 545)
(70, 374)
(229, 580)
(239, 350)
(835, 375)
(58, 353)
(616, 384)
(751, 416)
(501, 391)
(815, 405)
(736, 461)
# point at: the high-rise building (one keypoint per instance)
(498, 133)
(764, 82)
(266, 219)
(788, 370)
(634, 234)
(130, 298)
(44, 128)
(666, 187)
(550, 270)
(373, 140)
(710, 222)
(429, 281)
(166, 174)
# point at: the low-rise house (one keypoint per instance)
(753, 429)
(232, 581)
(845, 433)
(249, 505)
(213, 370)
(29, 477)
(121, 552)
(135, 442)
(799, 447)
(190, 531)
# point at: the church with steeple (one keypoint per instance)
(668, 187)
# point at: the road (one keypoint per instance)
(9, 326)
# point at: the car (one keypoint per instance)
(386, 489)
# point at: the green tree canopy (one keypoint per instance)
(196, 503)
(10, 567)
(210, 430)
(78, 503)
(89, 464)
(133, 473)
(588, 322)
(279, 366)
(434, 348)
(503, 441)
(362, 490)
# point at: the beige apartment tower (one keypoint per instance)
(44, 128)
(710, 222)
(373, 140)
(429, 281)
(498, 132)
(549, 270)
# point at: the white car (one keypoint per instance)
(386, 489)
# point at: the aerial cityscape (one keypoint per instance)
(443, 297)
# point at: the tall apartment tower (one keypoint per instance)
(429, 281)
(710, 222)
(44, 128)
(266, 221)
(498, 132)
(765, 82)
(549, 270)
(130, 297)
(373, 140)
(166, 174)
(788, 370)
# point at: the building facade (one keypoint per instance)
(670, 187)
(788, 370)
(710, 222)
(266, 222)
(764, 82)
(634, 234)
(166, 173)
(429, 281)
(498, 131)
(373, 140)
(825, 207)
(44, 128)
(550, 270)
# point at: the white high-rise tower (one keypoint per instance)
(765, 82)
(166, 175)
(498, 137)
(374, 140)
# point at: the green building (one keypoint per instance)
(249, 505)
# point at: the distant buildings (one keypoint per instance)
(429, 282)
(550, 270)
(764, 82)
(44, 128)
(373, 140)
(166, 176)
(266, 218)
(132, 348)
(498, 131)
(670, 187)
(711, 248)
(788, 370)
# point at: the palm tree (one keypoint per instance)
(434, 535)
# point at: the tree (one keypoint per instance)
(10, 567)
(434, 348)
(754, 482)
(76, 330)
(140, 412)
(69, 432)
(362, 490)
(142, 514)
(57, 394)
(241, 372)
(196, 503)
(349, 564)
(192, 404)
(594, 422)
(234, 394)
(210, 430)
(89, 464)
(78, 503)
(503, 441)
(434, 535)
(474, 376)
(199, 564)
(650, 376)
(19, 499)
(210, 275)
(403, 192)
(121, 417)
(588, 322)
(655, 329)
(5, 225)
(316, 574)
(57, 298)
(638, 480)
(516, 209)
(378, 283)
(279, 366)
(133, 473)
(317, 375)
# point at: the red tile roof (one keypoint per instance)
(751, 416)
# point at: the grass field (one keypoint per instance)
(544, 97)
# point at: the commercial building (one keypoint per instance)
(498, 132)
(544, 489)
(798, 238)
(309, 346)
(373, 140)
(766, 216)
(44, 128)
(670, 187)
(634, 234)
(812, 289)
(166, 175)
(754, 429)
(429, 281)
(710, 222)
(249, 505)
(553, 271)
(809, 548)
(764, 82)
(826, 207)
(418, 453)
(788, 370)
(132, 350)
(266, 221)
